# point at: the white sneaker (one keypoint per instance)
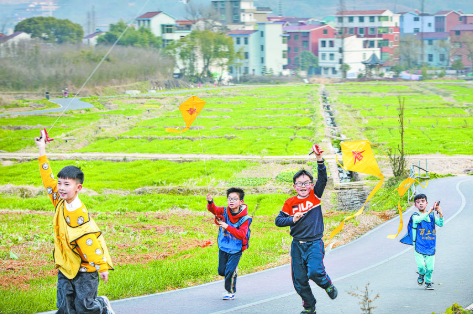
(108, 305)
(228, 296)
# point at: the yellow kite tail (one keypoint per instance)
(343, 167)
(176, 130)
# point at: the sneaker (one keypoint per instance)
(309, 311)
(228, 296)
(332, 291)
(428, 286)
(420, 280)
(107, 304)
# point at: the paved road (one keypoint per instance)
(388, 265)
(73, 103)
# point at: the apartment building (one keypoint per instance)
(415, 22)
(240, 14)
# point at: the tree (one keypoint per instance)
(204, 17)
(458, 65)
(143, 37)
(398, 159)
(466, 43)
(51, 29)
(345, 68)
(308, 60)
(409, 54)
(197, 52)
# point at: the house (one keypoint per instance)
(293, 20)
(461, 38)
(415, 22)
(436, 48)
(466, 19)
(264, 49)
(91, 39)
(240, 14)
(164, 25)
(445, 20)
(304, 37)
(11, 42)
(379, 28)
(355, 51)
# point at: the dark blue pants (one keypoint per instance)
(227, 267)
(307, 261)
(79, 295)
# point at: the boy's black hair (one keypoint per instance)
(71, 172)
(301, 173)
(238, 191)
(419, 197)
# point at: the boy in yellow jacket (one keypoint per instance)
(80, 252)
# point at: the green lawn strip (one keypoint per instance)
(21, 103)
(101, 175)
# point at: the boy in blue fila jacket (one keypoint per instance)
(303, 214)
(233, 236)
(421, 233)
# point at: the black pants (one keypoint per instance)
(227, 267)
(79, 295)
(307, 261)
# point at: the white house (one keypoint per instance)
(91, 39)
(265, 50)
(11, 42)
(164, 25)
(356, 51)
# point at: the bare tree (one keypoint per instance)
(204, 17)
(397, 157)
(409, 55)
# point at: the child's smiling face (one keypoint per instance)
(421, 204)
(68, 189)
(303, 185)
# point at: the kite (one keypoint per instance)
(46, 136)
(402, 189)
(359, 157)
(190, 109)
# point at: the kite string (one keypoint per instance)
(202, 148)
(98, 65)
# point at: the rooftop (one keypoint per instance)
(363, 12)
(241, 32)
(292, 28)
(93, 35)
(149, 15)
(462, 27)
(264, 9)
(433, 35)
(444, 12)
(6, 38)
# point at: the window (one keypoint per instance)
(364, 55)
(246, 40)
(361, 31)
(296, 49)
(262, 47)
(288, 60)
(330, 43)
(323, 43)
(288, 49)
(284, 54)
(323, 56)
(430, 42)
(383, 18)
(340, 20)
(390, 30)
(167, 29)
(442, 57)
(460, 18)
(383, 30)
(350, 19)
(296, 36)
(361, 19)
(430, 57)
(325, 32)
(247, 70)
(262, 59)
(416, 19)
(396, 38)
(351, 31)
(332, 56)
(222, 16)
(325, 70)
(238, 40)
(429, 24)
(305, 44)
(296, 60)
(284, 40)
(230, 69)
(371, 31)
(288, 36)
(391, 44)
(305, 34)
(262, 34)
(371, 19)
(384, 55)
(457, 33)
(222, 4)
(334, 71)
(416, 30)
(236, 4)
(236, 18)
(383, 43)
(246, 55)
(371, 44)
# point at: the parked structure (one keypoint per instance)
(265, 50)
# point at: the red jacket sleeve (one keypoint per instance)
(215, 209)
(241, 232)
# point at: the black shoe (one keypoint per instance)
(309, 311)
(332, 291)
(428, 286)
(420, 280)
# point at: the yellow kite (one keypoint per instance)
(402, 189)
(190, 109)
(359, 157)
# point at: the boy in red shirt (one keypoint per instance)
(233, 236)
(303, 213)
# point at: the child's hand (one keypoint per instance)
(104, 276)
(439, 211)
(222, 224)
(318, 152)
(297, 216)
(209, 197)
(41, 143)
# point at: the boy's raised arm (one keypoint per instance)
(321, 176)
(50, 184)
(211, 207)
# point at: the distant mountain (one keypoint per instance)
(110, 11)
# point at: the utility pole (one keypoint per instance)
(280, 8)
(341, 8)
(422, 33)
